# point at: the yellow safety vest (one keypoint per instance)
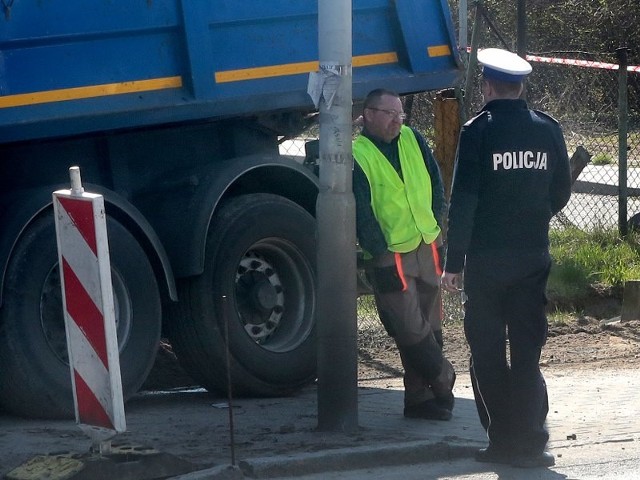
(403, 209)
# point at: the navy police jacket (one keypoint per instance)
(512, 175)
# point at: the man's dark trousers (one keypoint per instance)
(506, 296)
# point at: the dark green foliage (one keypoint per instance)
(582, 98)
(593, 27)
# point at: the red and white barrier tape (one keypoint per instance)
(581, 63)
(577, 63)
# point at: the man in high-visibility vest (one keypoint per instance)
(512, 175)
(400, 206)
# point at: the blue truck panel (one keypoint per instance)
(66, 70)
(174, 111)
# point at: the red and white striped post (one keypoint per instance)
(85, 271)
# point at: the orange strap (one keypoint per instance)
(436, 258)
(398, 259)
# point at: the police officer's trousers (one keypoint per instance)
(413, 317)
(506, 299)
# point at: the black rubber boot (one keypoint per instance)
(447, 400)
(425, 357)
(427, 410)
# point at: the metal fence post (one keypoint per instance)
(623, 126)
(476, 38)
(522, 37)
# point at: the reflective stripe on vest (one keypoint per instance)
(403, 210)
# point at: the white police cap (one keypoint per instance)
(503, 65)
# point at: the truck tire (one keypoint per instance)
(35, 379)
(260, 277)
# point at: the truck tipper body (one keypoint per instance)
(174, 110)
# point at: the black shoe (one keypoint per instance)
(428, 410)
(543, 459)
(493, 454)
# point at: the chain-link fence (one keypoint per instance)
(584, 96)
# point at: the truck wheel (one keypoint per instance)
(35, 379)
(259, 278)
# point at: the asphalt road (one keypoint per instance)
(606, 461)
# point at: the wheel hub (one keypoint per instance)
(260, 296)
(264, 295)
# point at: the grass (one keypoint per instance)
(591, 263)
(604, 147)
(602, 159)
(559, 318)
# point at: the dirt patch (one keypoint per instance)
(587, 340)
(580, 342)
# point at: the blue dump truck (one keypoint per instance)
(173, 110)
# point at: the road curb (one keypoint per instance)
(338, 460)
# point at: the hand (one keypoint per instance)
(452, 282)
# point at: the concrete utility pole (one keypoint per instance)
(337, 323)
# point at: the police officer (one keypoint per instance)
(511, 176)
(400, 206)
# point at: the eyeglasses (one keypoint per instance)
(391, 113)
